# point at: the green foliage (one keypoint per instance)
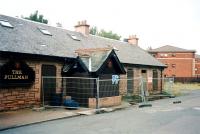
(36, 17)
(93, 30)
(109, 34)
(103, 33)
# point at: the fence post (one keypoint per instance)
(42, 91)
(142, 90)
(97, 95)
(143, 95)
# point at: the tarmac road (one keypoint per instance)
(163, 117)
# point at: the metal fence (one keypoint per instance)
(180, 86)
(72, 92)
(187, 79)
(168, 85)
(68, 91)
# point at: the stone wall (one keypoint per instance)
(137, 80)
(19, 98)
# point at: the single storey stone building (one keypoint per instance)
(30, 50)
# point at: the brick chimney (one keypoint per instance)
(133, 40)
(82, 27)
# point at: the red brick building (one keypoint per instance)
(197, 65)
(180, 62)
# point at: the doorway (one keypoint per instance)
(155, 80)
(144, 79)
(48, 84)
(130, 80)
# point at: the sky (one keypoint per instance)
(155, 22)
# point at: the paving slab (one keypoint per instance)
(28, 116)
(25, 117)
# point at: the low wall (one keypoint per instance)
(105, 102)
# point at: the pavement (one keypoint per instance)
(25, 117)
(28, 117)
(164, 117)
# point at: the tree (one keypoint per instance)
(93, 30)
(109, 34)
(103, 33)
(37, 18)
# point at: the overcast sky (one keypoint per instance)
(155, 22)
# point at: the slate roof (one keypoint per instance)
(169, 48)
(97, 59)
(94, 59)
(25, 37)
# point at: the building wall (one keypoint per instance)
(19, 98)
(178, 64)
(137, 80)
(197, 67)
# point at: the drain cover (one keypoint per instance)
(175, 102)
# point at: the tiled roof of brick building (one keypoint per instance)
(169, 48)
(36, 38)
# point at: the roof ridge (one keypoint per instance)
(38, 23)
(109, 39)
(170, 48)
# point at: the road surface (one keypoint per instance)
(163, 117)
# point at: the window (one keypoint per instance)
(173, 55)
(163, 55)
(166, 64)
(45, 31)
(74, 37)
(5, 23)
(144, 71)
(130, 80)
(173, 65)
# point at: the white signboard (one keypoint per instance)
(115, 79)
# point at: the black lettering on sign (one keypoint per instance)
(16, 74)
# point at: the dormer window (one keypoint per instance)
(5, 23)
(74, 37)
(45, 31)
(173, 55)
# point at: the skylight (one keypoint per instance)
(6, 23)
(45, 31)
(74, 37)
